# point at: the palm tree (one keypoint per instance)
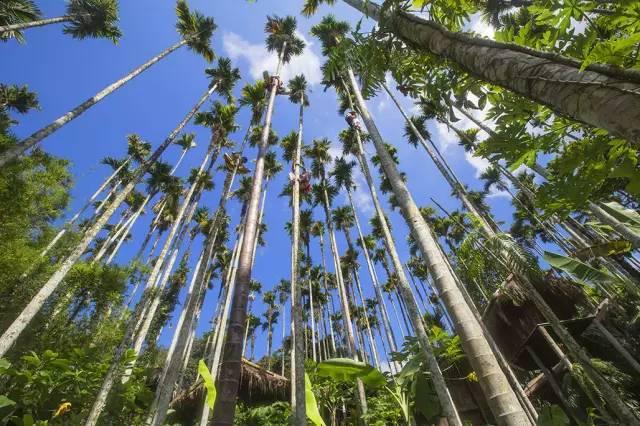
(14, 12)
(281, 38)
(270, 317)
(222, 122)
(297, 95)
(138, 150)
(196, 31)
(317, 230)
(319, 153)
(504, 403)
(343, 176)
(13, 332)
(83, 19)
(561, 79)
(331, 34)
(283, 290)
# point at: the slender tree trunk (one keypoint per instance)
(229, 378)
(39, 135)
(11, 334)
(83, 208)
(329, 294)
(544, 77)
(33, 24)
(501, 399)
(178, 223)
(298, 400)
(342, 291)
(374, 280)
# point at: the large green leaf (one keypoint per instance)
(6, 402)
(581, 271)
(203, 371)
(348, 370)
(552, 416)
(606, 249)
(629, 217)
(310, 403)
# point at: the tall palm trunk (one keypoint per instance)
(597, 211)
(298, 400)
(544, 77)
(229, 378)
(11, 334)
(89, 202)
(39, 135)
(342, 291)
(181, 221)
(501, 399)
(374, 280)
(329, 294)
(33, 24)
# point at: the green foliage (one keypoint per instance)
(93, 18)
(552, 416)
(310, 403)
(276, 414)
(581, 271)
(203, 371)
(348, 370)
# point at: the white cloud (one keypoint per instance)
(477, 25)
(478, 163)
(260, 59)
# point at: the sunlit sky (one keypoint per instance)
(64, 72)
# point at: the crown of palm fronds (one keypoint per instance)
(196, 30)
(420, 125)
(17, 12)
(342, 173)
(255, 97)
(93, 18)
(281, 31)
(271, 165)
(221, 118)
(137, 148)
(256, 136)
(225, 77)
(288, 144)
(330, 32)
(298, 90)
(186, 141)
(17, 98)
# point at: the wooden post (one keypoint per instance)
(554, 385)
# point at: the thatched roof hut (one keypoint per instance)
(512, 318)
(257, 386)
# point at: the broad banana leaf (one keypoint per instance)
(581, 271)
(606, 249)
(209, 384)
(629, 217)
(310, 403)
(348, 370)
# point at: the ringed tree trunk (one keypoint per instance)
(342, 292)
(160, 261)
(229, 378)
(13, 332)
(331, 308)
(39, 135)
(446, 401)
(594, 208)
(298, 400)
(501, 399)
(89, 202)
(112, 373)
(374, 280)
(34, 24)
(601, 95)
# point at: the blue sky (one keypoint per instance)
(64, 72)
